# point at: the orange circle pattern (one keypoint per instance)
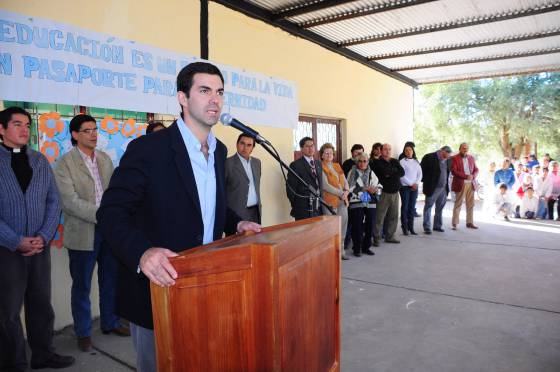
(51, 157)
(44, 127)
(128, 127)
(105, 125)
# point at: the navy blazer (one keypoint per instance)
(152, 201)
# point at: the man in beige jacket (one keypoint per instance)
(82, 175)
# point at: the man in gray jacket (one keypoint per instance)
(243, 178)
(82, 175)
(29, 215)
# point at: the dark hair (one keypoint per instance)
(303, 140)
(503, 186)
(186, 75)
(357, 146)
(76, 125)
(6, 116)
(376, 145)
(153, 125)
(411, 145)
(246, 136)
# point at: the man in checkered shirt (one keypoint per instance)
(82, 175)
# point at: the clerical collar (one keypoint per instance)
(14, 150)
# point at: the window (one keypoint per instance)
(322, 131)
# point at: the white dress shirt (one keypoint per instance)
(204, 175)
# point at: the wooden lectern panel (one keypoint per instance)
(307, 293)
(218, 307)
(261, 302)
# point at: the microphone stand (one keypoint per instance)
(269, 148)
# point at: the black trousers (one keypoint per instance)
(361, 220)
(25, 281)
(300, 213)
(551, 208)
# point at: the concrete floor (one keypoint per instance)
(466, 300)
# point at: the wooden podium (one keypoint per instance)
(260, 302)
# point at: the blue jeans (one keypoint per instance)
(439, 198)
(144, 344)
(542, 212)
(82, 264)
(408, 206)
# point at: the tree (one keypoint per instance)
(502, 116)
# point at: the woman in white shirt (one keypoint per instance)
(409, 189)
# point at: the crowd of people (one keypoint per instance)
(176, 189)
(528, 189)
(370, 192)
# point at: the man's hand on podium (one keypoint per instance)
(154, 263)
(248, 226)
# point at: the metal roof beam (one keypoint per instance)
(369, 10)
(460, 23)
(308, 8)
(494, 75)
(254, 11)
(469, 45)
(531, 53)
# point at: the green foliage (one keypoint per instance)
(495, 116)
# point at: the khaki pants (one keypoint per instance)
(387, 208)
(466, 193)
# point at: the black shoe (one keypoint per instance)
(412, 232)
(368, 251)
(375, 242)
(416, 214)
(357, 254)
(56, 361)
(439, 229)
(404, 231)
(427, 231)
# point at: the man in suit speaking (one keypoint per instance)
(243, 177)
(167, 195)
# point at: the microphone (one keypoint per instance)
(229, 120)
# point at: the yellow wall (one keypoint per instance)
(374, 107)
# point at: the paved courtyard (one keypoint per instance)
(466, 300)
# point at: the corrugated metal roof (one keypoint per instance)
(428, 40)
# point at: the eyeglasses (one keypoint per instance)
(362, 161)
(89, 131)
